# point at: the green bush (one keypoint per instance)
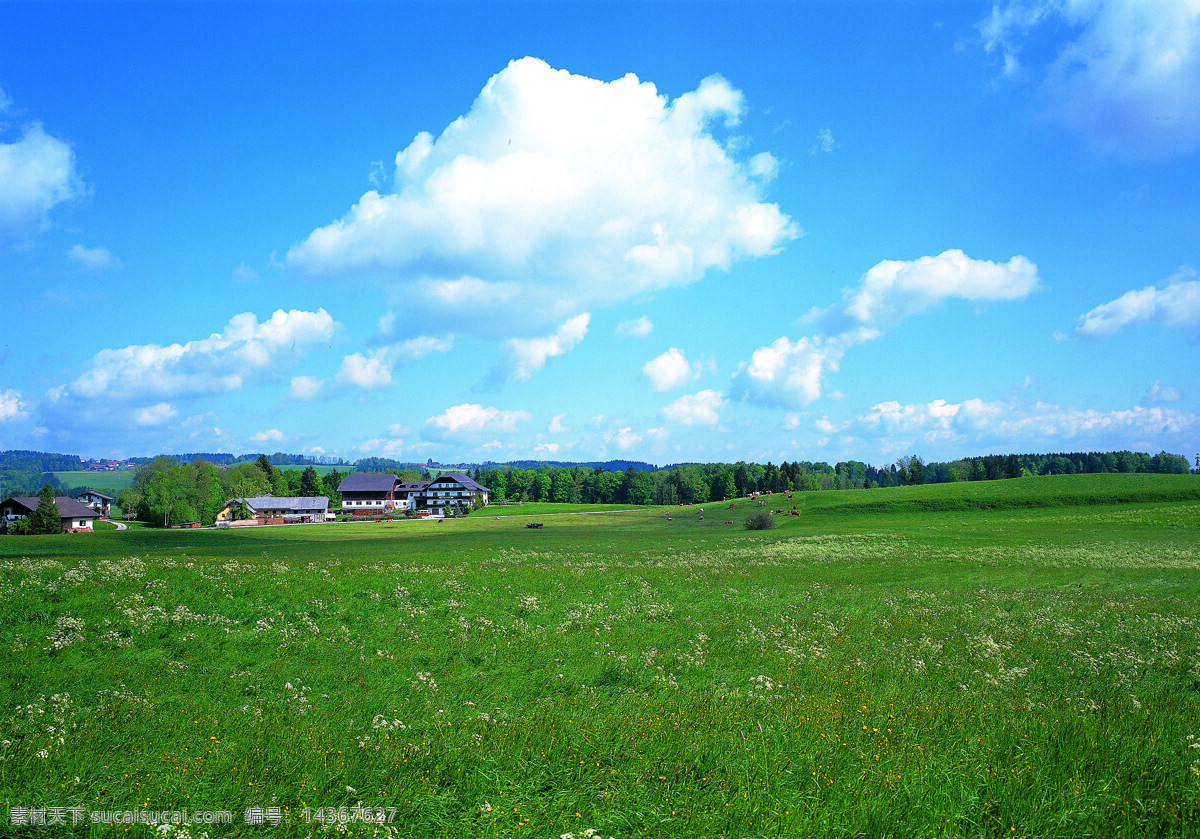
(762, 520)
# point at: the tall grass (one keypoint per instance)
(1019, 671)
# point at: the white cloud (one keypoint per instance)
(92, 259)
(369, 371)
(528, 355)
(1175, 304)
(936, 415)
(1127, 77)
(37, 172)
(218, 363)
(791, 373)
(12, 406)
(697, 409)
(893, 289)
(158, 414)
(271, 435)
(305, 387)
(1160, 393)
(373, 369)
(470, 419)
(639, 328)
(557, 187)
(669, 370)
(380, 447)
(556, 424)
(546, 448)
(824, 426)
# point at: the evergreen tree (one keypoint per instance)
(310, 483)
(45, 518)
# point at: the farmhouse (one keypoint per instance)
(265, 509)
(98, 501)
(382, 492)
(75, 517)
(371, 492)
(451, 489)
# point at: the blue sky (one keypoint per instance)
(667, 231)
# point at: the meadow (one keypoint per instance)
(109, 483)
(1017, 658)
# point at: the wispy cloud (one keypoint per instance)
(528, 355)
(1126, 78)
(92, 259)
(825, 143)
(638, 328)
(472, 420)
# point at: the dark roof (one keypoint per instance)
(412, 486)
(368, 482)
(465, 480)
(68, 508)
(97, 494)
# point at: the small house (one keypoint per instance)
(74, 517)
(98, 501)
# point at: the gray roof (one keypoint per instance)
(368, 482)
(465, 480)
(276, 502)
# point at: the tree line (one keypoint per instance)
(709, 482)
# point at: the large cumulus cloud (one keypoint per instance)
(555, 193)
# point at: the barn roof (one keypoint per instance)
(368, 482)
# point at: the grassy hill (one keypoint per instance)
(1018, 658)
(109, 483)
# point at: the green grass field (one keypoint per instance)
(110, 483)
(1019, 658)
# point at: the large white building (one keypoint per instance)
(364, 493)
